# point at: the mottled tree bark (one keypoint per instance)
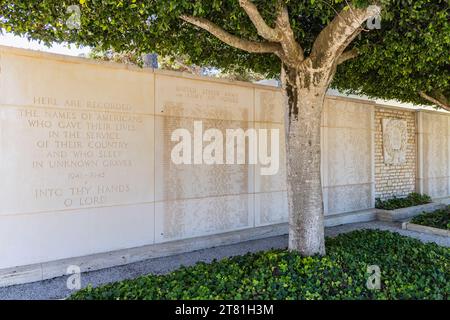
(303, 160)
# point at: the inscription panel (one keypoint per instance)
(73, 135)
(186, 181)
(203, 99)
(52, 160)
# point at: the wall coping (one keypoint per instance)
(115, 65)
(185, 75)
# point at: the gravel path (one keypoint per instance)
(56, 288)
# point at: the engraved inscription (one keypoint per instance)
(79, 158)
(203, 100)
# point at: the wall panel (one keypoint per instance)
(434, 161)
(347, 156)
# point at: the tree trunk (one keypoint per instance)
(304, 109)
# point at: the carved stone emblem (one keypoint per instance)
(395, 141)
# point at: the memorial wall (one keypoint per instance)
(86, 161)
(76, 157)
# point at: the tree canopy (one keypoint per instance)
(407, 58)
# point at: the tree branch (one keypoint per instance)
(261, 26)
(334, 38)
(282, 33)
(290, 46)
(442, 103)
(232, 40)
(347, 55)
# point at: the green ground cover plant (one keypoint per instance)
(409, 269)
(413, 199)
(437, 219)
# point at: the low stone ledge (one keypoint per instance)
(333, 220)
(444, 200)
(407, 213)
(19, 275)
(53, 269)
(425, 229)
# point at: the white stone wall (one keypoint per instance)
(347, 155)
(60, 195)
(64, 194)
(433, 175)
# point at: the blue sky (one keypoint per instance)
(8, 39)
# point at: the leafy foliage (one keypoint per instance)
(408, 54)
(437, 219)
(180, 63)
(120, 57)
(409, 268)
(413, 199)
